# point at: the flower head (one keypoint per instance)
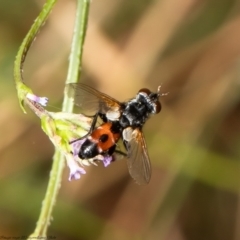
(41, 100)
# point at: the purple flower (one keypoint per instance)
(76, 145)
(73, 160)
(75, 169)
(107, 160)
(41, 100)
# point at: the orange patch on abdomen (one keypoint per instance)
(104, 137)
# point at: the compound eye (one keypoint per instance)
(158, 107)
(144, 90)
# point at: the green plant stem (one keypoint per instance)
(28, 40)
(58, 160)
(75, 58)
(23, 90)
(26, 44)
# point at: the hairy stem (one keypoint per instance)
(73, 76)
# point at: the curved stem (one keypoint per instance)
(22, 52)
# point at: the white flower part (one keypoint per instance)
(41, 100)
(75, 169)
(85, 162)
(93, 161)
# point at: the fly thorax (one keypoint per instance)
(123, 121)
(136, 112)
(149, 104)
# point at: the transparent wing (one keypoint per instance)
(139, 165)
(118, 156)
(90, 100)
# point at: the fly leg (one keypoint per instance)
(121, 153)
(90, 130)
(103, 117)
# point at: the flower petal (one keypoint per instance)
(107, 160)
(75, 169)
(41, 100)
(76, 145)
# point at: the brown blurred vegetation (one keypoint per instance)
(190, 47)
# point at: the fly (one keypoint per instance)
(121, 120)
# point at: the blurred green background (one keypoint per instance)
(190, 47)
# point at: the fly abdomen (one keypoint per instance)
(88, 149)
(103, 138)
